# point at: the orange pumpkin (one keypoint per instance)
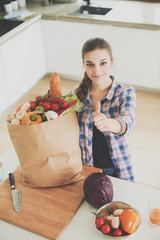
(130, 220)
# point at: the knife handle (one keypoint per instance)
(11, 180)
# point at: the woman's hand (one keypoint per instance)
(105, 124)
(100, 120)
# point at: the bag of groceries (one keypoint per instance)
(45, 135)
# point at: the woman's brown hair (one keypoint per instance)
(90, 45)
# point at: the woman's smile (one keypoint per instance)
(98, 65)
(98, 76)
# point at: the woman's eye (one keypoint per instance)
(89, 64)
(103, 63)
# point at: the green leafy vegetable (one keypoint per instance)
(76, 107)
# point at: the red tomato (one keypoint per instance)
(99, 222)
(118, 232)
(63, 104)
(58, 100)
(32, 106)
(47, 106)
(34, 101)
(55, 107)
(105, 218)
(41, 104)
(106, 229)
(37, 99)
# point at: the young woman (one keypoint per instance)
(109, 114)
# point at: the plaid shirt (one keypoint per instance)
(120, 103)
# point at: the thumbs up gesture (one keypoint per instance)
(105, 124)
(100, 120)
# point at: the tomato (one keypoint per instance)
(47, 106)
(106, 229)
(46, 98)
(41, 104)
(32, 106)
(58, 100)
(55, 107)
(105, 218)
(34, 101)
(63, 104)
(118, 232)
(99, 222)
(37, 99)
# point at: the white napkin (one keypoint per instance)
(18, 14)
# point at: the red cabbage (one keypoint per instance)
(98, 189)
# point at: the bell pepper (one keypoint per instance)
(44, 118)
(39, 108)
(23, 121)
(130, 220)
(33, 118)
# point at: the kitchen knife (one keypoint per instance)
(16, 194)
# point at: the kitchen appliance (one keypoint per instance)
(7, 25)
(1, 6)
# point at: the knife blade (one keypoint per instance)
(16, 194)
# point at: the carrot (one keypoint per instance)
(55, 85)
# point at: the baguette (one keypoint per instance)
(55, 85)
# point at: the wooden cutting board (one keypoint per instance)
(45, 211)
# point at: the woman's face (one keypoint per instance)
(98, 65)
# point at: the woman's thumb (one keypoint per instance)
(98, 107)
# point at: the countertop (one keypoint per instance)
(134, 14)
(81, 225)
(28, 21)
(131, 14)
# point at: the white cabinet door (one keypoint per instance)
(53, 45)
(63, 42)
(23, 60)
(4, 97)
(75, 35)
(137, 56)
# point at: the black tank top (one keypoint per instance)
(101, 157)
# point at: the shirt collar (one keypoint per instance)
(111, 91)
(88, 99)
(108, 96)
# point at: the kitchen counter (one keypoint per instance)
(28, 21)
(81, 225)
(124, 13)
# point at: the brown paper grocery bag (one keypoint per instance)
(49, 152)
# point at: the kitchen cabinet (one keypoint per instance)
(23, 60)
(4, 96)
(137, 58)
(63, 42)
(136, 51)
